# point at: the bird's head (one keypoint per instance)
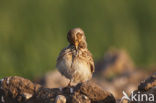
(77, 38)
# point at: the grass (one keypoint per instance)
(33, 32)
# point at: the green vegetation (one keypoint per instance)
(32, 33)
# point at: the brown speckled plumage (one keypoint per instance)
(75, 62)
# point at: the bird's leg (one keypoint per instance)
(70, 87)
(69, 84)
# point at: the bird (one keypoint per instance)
(75, 61)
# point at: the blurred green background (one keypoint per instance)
(32, 33)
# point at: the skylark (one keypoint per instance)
(75, 61)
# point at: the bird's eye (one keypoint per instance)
(79, 35)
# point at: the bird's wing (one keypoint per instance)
(62, 53)
(90, 61)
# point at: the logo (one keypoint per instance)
(137, 96)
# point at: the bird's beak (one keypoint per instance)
(76, 45)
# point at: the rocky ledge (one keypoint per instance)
(17, 89)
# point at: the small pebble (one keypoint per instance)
(71, 90)
(27, 95)
(85, 97)
(60, 99)
(60, 89)
(2, 99)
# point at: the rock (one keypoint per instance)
(53, 79)
(124, 101)
(147, 88)
(76, 98)
(127, 83)
(96, 93)
(17, 89)
(144, 96)
(148, 83)
(60, 99)
(115, 62)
